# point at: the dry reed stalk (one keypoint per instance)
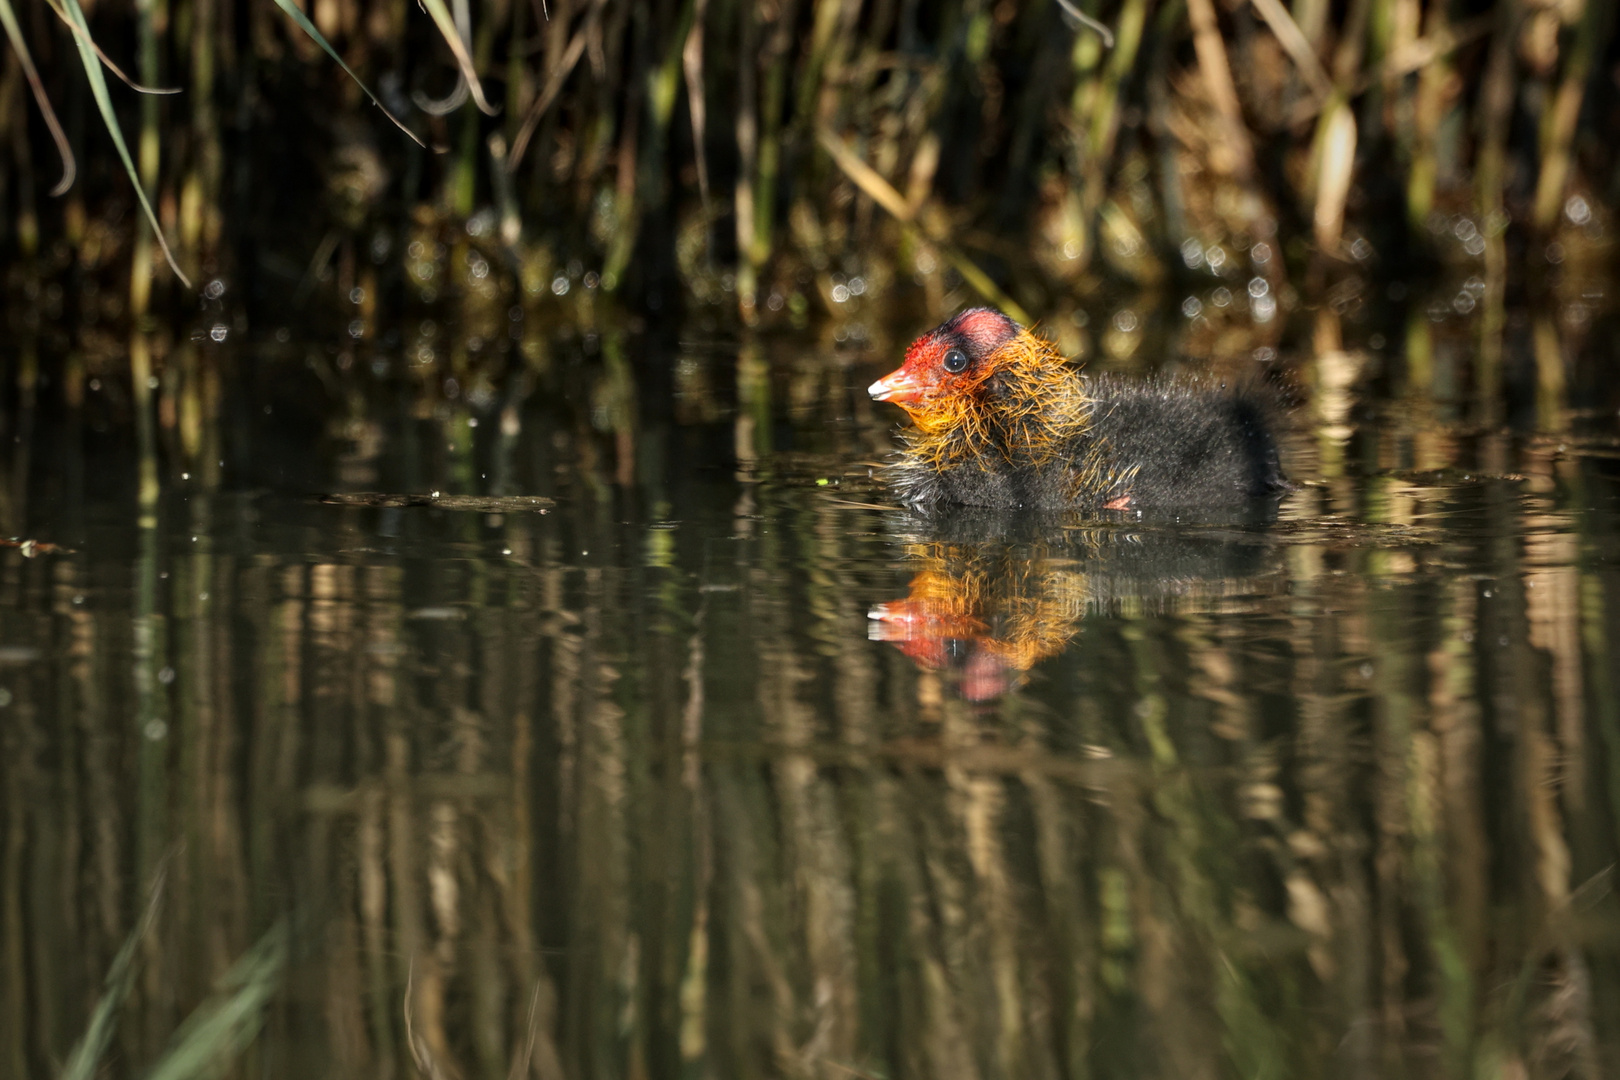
(1497, 89)
(884, 194)
(1217, 76)
(1559, 121)
(200, 215)
(1334, 176)
(1102, 121)
(1424, 169)
(27, 220)
(697, 107)
(747, 136)
(560, 72)
(1297, 45)
(24, 62)
(774, 61)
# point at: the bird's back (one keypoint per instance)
(1188, 444)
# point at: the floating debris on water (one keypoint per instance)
(483, 504)
(30, 548)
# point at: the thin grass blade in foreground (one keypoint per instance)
(105, 59)
(98, 88)
(554, 85)
(86, 1055)
(320, 39)
(692, 63)
(457, 96)
(223, 1026)
(14, 32)
(447, 27)
(1100, 29)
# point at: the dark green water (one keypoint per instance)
(635, 787)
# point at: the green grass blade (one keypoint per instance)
(224, 1025)
(86, 1054)
(14, 32)
(105, 59)
(309, 28)
(1088, 22)
(98, 89)
(447, 27)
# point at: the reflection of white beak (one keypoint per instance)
(889, 623)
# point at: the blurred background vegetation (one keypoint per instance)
(780, 157)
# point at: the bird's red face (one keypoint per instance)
(948, 360)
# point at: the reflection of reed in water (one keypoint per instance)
(642, 799)
(992, 597)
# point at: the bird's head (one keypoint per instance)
(947, 367)
(980, 383)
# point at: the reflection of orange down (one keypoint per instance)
(986, 611)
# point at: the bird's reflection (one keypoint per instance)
(993, 595)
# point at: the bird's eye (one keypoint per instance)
(955, 361)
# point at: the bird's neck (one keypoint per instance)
(1034, 403)
(1028, 407)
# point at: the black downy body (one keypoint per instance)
(1155, 445)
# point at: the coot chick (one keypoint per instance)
(1001, 419)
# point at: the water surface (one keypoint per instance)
(637, 785)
